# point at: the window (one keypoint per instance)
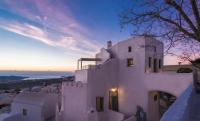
(155, 66)
(130, 62)
(150, 62)
(24, 112)
(155, 97)
(154, 49)
(129, 49)
(99, 104)
(160, 64)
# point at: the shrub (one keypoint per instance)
(184, 70)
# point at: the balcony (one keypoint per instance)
(81, 60)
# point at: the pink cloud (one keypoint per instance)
(27, 30)
(53, 15)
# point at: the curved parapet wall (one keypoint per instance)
(12, 117)
(177, 111)
(172, 83)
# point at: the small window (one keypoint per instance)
(99, 104)
(130, 62)
(160, 64)
(150, 59)
(155, 65)
(24, 112)
(129, 49)
(155, 97)
(154, 49)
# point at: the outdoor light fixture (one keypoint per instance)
(113, 89)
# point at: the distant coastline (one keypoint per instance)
(9, 79)
(20, 84)
(29, 75)
(23, 79)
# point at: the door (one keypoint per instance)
(113, 100)
(153, 106)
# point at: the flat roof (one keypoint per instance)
(34, 98)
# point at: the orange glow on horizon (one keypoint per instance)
(61, 69)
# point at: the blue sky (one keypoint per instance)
(53, 34)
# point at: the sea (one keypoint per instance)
(36, 74)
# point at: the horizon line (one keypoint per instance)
(41, 70)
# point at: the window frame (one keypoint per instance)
(155, 97)
(24, 112)
(99, 104)
(155, 49)
(129, 49)
(130, 62)
(160, 64)
(113, 104)
(150, 62)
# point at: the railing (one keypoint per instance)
(88, 67)
(96, 66)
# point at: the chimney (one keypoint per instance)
(109, 44)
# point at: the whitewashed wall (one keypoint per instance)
(34, 112)
(173, 83)
(74, 102)
(81, 75)
(132, 91)
(133, 82)
(100, 81)
(104, 55)
(14, 117)
(49, 108)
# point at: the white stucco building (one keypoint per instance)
(32, 106)
(126, 75)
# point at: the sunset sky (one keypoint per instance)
(53, 34)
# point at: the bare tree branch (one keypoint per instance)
(177, 22)
(184, 15)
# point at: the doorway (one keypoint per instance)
(113, 100)
(158, 104)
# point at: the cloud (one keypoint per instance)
(30, 31)
(56, 25)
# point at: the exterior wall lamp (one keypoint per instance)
(114, 89)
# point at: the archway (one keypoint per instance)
(158, 103)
